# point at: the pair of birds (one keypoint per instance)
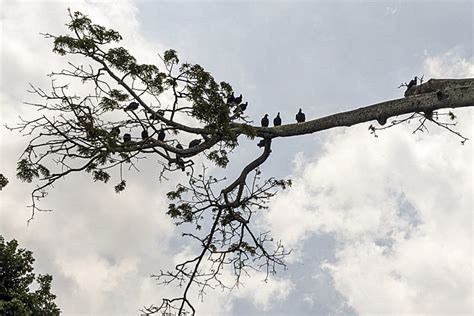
(300, 118)
(237, 102)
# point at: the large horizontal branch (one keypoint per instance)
(440, 94)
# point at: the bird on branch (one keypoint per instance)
(127, 137)
(194, 143)
(144, 134)
(265, 122)
(161, 135)
(277, 120)
(300, 117)
(131, 107)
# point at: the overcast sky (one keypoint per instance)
(378, 225)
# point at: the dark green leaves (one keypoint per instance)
(26, 171)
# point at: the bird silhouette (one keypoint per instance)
(277, 120)
(144, 134)
(238, 100)
(194, 143)
(132, 106)
(241, 108)
(127, 137)
(161, 135)
(412, 83)
(300, 117)
(265, 122)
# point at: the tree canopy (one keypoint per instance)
(169, 107)
(16, 280)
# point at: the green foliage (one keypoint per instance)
(175, 195)
(121, 186)
(170, 57)
(248, 130)
(183, 210)
(16, 277)
(100, 175)
(3, 181)
(27, 171)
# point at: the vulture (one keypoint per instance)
(277, 120)
(194, 143)
(300, 117)
(412, 83)
(131, 107)
(127, 137)
(144, 134)
(161, 135)
(265, 121)
(238, 100)
(241, 108)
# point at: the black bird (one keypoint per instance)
(241, 108)
(300, 117)
(194, 143)
(277, 120)
(265, 122)
(127, 137)
(161, 135)
(412, 83)
(230, 99)
(131, 107)
(144, 134)
(238, 100)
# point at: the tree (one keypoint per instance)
(93, 134)
(16, 277)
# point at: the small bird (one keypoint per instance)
(194, 143)
(412, 83)
(127, 137)
(132, 106)
(178, 157)
(238, 100)
(300, 117)
(241, 108)
(265, 122)
(277, 120)
(161, 135)
(144, 134)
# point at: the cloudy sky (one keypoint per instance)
(378, 225)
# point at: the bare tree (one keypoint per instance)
(92, 134)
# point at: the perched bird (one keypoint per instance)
(277, 120)
(231, 99)
(131, 107)
(161, 135)
(194, 143)
(412, 83)
(265, 122)
(238, 100)
(127, 137)
(144, 134)
(300, 117)
(241, 108)
(178, 157)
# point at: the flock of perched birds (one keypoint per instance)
(231, 101)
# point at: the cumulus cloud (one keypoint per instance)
(400, 207)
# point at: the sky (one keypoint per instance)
(377, 225)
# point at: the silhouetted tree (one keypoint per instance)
(16, 278)
(75, 133)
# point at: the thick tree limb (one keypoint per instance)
(440, 94)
